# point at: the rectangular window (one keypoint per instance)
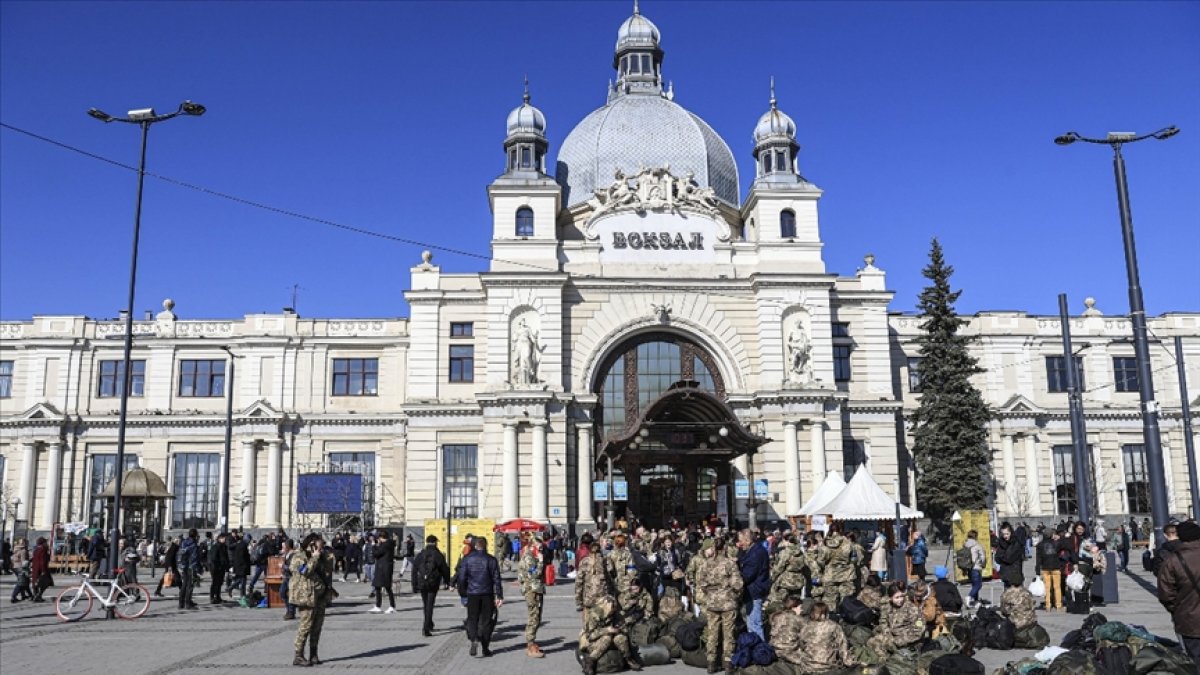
(462, 329)
(1137, 482)
(200, 378)
(1125, 374)
(914, 374)
(362, 463)
(854, 454)
(841, 329)
(841, 363)
(1056, 373)
(6, 377)
(355, 377)
(647, 69)
(462, 363)
(1065, 502)
(113, 372)
(104, 470)
(195, 482)
(460, 480)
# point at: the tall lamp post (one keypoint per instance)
(143, 118)
(1159, 510)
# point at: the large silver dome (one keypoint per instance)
(649, 131)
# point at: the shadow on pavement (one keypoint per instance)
(396, 649)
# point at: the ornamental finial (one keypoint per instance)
(526, 97)
(772, 92)
(635, 7)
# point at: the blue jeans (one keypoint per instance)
(754, 616)
(976, 584)
(258, 572)
(288, 607)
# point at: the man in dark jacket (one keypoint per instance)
(97, 553)
(170, 563)
(1048, 562)
(218, 565)
(430, 572)
(1169, 547)
(188, 560)
(383, 555)
(1009, 553)
(1179, 586)
(755, 566)
(479, 584)
(946, 591)
(239, 563)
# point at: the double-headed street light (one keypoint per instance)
(1159, 510)
(143, 117)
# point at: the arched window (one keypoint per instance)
(787, 223)
(524, 222)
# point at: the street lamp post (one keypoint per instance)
(223, 496)
(143, 118)
(1081, 458)
(1159, 510)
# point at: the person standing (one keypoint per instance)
(353, 559)
(920, 553)
(1101, 536)
(978, 562)
(383, 555)
(188, 560)
(170, 562)
(20, 564)
(1122, 544)
(289, 609)
(879, 563)
(1050, 566)
(720, 584)
(1009, 553)
(591, 578)
(531, 569)
(239, 563)
(479, 585)
(410, 554)
(97, 553)
(39, 571)
(311, 591)
(430, 572)
(218, 565)
(1178, 583)
(369, 544)
(754, 565)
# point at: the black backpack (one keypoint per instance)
(956, 664)
(964, 559)
(854, 612)
(427, 574)
(688, 635)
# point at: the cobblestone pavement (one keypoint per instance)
(220, 639)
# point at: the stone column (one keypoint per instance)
(511, 484)
(1032, 475)
(53, 484)
(28, 478)
(1011, 495)
(791, 468)
(817, 440)
(274, 482)
(540, 487)
(583, 452)
(247, 494)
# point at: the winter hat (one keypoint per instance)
(1189, 531)
(940, 572)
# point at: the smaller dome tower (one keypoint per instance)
(775, 146)
(638, 57)
(525, 141)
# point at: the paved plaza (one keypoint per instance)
(232, 639)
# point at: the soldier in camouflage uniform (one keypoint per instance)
(721, 582)
(825, 646)
(601, 632)
(787, 576)
(900, 623)
(621, 569)
(693, 570)
(871, 594)
(311, 590)
(636, 605)
(785, 629)
(838, 571)
(591, 578)
(1017, 604)
(531, 574)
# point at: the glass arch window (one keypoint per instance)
(524, 222)
(787, 223)
(642, 369)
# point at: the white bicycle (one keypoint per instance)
(128, 601)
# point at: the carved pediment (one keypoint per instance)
(260, 409)
(42, 411)
(1019, 404)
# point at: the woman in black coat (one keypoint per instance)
(353, 559)
(385, 555)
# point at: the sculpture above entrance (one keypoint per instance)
(656, 190)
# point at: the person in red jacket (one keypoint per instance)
(39, 568)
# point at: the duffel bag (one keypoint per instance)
(654, 655)
(610, 662)
(1031, 637)
(688, 634)
(854, 612)
(645, 631)
(857, 636)
(955, 664)
(1074, 662)
(1157, 659)
(695, 658)
(671, 644)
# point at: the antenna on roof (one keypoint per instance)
(635, 7)
(527, 88)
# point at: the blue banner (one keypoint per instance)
(600, 491)
(329, 493)
(741, 488)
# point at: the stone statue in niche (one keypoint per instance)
(799, 352)
(526, 354)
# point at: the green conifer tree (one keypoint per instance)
(950, 425)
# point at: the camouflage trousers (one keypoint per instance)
(312, 619)
(533, 608)
(718, 635)
(604, 643)
(779, 593)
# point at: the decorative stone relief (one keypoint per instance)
(11, 330)
(662, 313)
(525, 347)
(355, 328)
(655, 189)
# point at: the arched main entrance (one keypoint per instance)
(664, 424)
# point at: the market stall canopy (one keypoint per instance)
(520, 525)
(828, 491)
(863, 499)
(138, 484)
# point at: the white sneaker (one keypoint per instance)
(390, 610)
(375, 610)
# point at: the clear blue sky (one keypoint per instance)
(917, 119)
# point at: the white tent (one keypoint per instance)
(863, 499)
(829, 490)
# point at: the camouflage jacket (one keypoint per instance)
(825, 648)
(633, 605)
(788, 571)
(785, 635)
(904, 624)
(1017, 604)
(591, 580)
(721, 582)
(621, 568)
(692, 574)
(597, 619)
(311, 583)
(839, 568)
(871, 597)
(531, 571)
